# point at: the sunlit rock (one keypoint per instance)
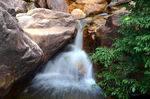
(88, 6)
(79, 14)
(74, 5)
(51, 30)
(94, 8)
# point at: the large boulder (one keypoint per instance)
(49, 29)
(17, 5)
(19, 55)
(57, 5)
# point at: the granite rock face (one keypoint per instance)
(51, 30)
(19, 55)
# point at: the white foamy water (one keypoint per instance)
(68, 76)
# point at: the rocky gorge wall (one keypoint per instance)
(30, 36)
(26, 44)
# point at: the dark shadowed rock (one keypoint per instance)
(41, 3)
(19, 55)
(49, 29)
(109, 32)
(57, 5)
(27, 0)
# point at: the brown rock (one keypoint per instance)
(109, 32)
(73, 6)
(91, 36)
(41, 3)
(94, 8)
(88, 6)
(90, 1)
(49, 29)
(18, 5)
(57, 5)
(19, 55)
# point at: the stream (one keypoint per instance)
(68, 76)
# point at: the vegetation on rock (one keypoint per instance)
(126, 68)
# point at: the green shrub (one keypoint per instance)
(127, 66)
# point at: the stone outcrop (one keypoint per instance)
(57, 5)
(17, 6)
(89, 7)
(102, 31)
(95, 8)
(49, 29)
(19, 55)
(109, 32)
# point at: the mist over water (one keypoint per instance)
(68, 76)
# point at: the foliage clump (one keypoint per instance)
(127, 66)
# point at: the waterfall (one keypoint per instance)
(68, 76)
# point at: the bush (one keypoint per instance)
(127, 66)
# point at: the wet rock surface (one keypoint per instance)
(49, 29)
(109, 32)
(103, 29)
(19, 55)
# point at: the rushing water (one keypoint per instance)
(68, 76)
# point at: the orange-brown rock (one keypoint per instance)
(19, 55)
(90, 1)
(57, 5)
(95, 8)
(91, 36)
(88, 6)
(73, 6)
(49, 29)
